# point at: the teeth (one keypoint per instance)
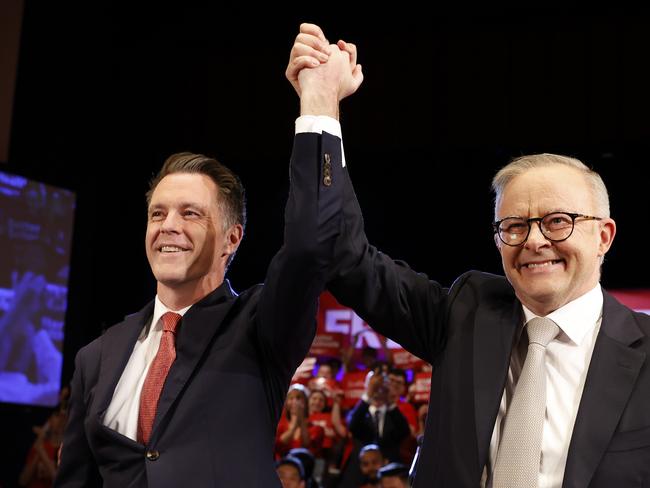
(540, 265)
(170, 249)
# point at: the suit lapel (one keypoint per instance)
(199, 326)
(117, 346)
(611, 377)
(495, 328)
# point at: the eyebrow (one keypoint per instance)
(541, 214)
(183, 205)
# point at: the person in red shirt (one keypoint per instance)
(41, 463)
(294, 428)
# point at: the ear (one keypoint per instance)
(234, 235)
(606, 235)
(497, 241)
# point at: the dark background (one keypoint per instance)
(103, 95)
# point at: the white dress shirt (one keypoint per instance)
(381, 411)
(567, 362)
(122, 413)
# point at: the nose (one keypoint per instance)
(172, 223)
(536, 239)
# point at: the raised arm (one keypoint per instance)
(297, 274)
(391, 297)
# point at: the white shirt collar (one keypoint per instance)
(577, 317)
(372, 409)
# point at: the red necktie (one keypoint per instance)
(155, 379)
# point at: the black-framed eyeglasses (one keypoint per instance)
(556, 227)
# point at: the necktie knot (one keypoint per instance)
(541, 330)
(170, 321)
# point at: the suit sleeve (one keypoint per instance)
(297, 273)
(78, 467)
(357, 423)
(392, 298)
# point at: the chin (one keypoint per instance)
(170, 279)
(543, 304)
(541, 293)
(540, 284)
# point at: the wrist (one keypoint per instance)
(319, 102)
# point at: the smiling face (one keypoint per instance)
(317, 401)
(546, 275)
(296, 402)
(187, 243)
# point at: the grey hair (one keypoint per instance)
(522, 164)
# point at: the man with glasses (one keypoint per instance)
(540, 377)
(397, 391)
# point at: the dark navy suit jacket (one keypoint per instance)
(467, 333)
(236, 354)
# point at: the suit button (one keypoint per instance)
(327, 169)
(152, 455)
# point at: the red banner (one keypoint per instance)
(327, 344)
(421, 387)
(638, 300)
(338, 326)
(353, 388)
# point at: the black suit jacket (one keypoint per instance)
(216, 419)
(362, 427)
(467, 333)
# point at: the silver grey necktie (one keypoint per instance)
(519, 454)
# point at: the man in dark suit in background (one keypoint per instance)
(540, 377)
(210, 420)
(374, 421)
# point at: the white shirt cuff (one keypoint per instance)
(320, 124)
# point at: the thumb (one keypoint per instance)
(357, 75)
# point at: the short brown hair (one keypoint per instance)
(230, 191)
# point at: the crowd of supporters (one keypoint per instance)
(351, 421)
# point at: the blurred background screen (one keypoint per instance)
(36, 223)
